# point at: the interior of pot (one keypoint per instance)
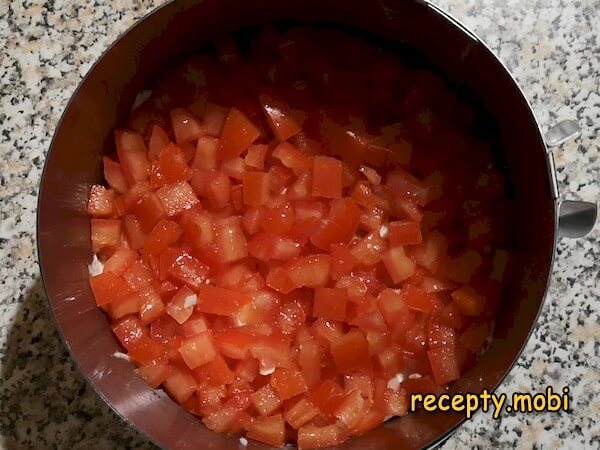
(104, 100)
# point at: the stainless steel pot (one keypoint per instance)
(105, 97)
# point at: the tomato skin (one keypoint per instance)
(327, 177)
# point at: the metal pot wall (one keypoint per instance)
(105, 97)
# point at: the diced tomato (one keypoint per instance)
(101, 202)
(198, 350)
(105, 233)
(350, 410)
(267, 246)
(215, 372)
(280, 177)
(475, 336)
(369, 250)
(440, 334)
(132, 156)
(213, 119)
(158, 140)
(154, 373)
(177, 198)
(340, 225)
(292, 158)
(230, 240)
(237, 135)
(120, 261)
(214, 300)
(113, 174)
(180, 384)
(420, 385)
(234, 168)
(311, 436)
(218, 189)
(468, 301)
(256, 188)
(327, 177)
(404, 233)
(404, 184)
(278, 219)
(462, 268)
(443, 364)
(310, 271)
(147, 350)
(302, 412)
(281, 121)
(108, 287)
(270, 430)
(149, 210)
(185, 126)
(417, 299)
(288, 383)
(206, 153)
(342, 261)
(121, 307)
(351, 351)
(431, 253)
(330, 303)
(134, 232)
(265, 400)
(151, 305)
(181, 306)
(398, 264)
(164, 234)
(255, 156)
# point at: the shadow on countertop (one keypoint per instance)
(45, 403)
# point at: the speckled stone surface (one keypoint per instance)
(553, 49)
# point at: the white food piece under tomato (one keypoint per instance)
(190, 300)
(394, 382)
(95, 267)
(121, 355)
(243, 441)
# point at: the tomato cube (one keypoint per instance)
(120, 261)
(404, 232)
(351, 351)
(330, 303)
(158, 140)
(185, 126)
(105, 233)
(403, 184)
(398, 264)
(301, 413)
(340, 225)
(369, 250)
(351, 409)
(101, 202)
(266, 400)
(198, 350)
(310, 271)
(312, 436)
(214, 300)
(281, 121)
(148, 210)
(270, 430)
(417, 299)
(164, 234)
(108, 287)
(267, 246)
(132, 155)
(230, 240)
(180, 384)
(256, 188)
(177, 198)
(237, 135)
(292, 158)
(443, 364)
(154, 373)
(468, 301)
(215, 372)
(255, 156)
(288, 383)
(113, 174)
(327, 177)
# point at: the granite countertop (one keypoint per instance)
(552, 48)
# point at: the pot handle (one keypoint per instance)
(575, 218)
